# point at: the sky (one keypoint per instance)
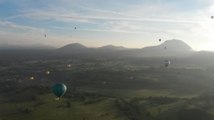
(128, 23)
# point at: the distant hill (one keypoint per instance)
(171, 48)
(168, 48)
(73, 46)
(112, 47)
(179, 53)
(177, 49)
(176, 45)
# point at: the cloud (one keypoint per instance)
(91, 15)
(12, 25)
(89, 19)
(110, 12)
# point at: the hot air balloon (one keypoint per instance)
(47, 72)
(159, 40)
(59, 89)
(212, 17)
(69, 65)
(167, 63)
(32, 78)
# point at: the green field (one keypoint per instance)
(106, 90)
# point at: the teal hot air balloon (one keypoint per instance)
(59, 89)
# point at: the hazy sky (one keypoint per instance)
(129, 23)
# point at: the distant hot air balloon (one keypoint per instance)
(167, 63)
(47, 72)
(212, 17)
(75, 28)
(59, 89)
(45, 35)
(32, 78)
(159, 40)
(69, 65)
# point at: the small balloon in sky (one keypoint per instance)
(59, 89)
(159, 40)
(45, 35)
(75, 28)
(212, 17)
